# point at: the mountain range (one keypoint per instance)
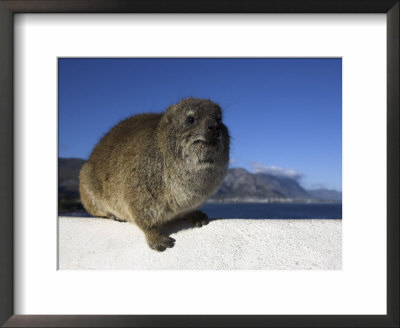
(238, 185)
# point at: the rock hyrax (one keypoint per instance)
(152, 168)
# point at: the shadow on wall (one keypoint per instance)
(180, 225)
(174, 226)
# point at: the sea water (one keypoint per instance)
(274, 210)
(264, 211)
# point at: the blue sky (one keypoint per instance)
(284, 115)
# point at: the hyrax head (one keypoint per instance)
(197, 131)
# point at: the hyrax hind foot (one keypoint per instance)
(198, 218)
(160, 242)
(115, 218)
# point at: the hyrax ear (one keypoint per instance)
(170, 113)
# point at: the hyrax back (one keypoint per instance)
(152, 168)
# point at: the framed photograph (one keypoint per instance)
(293, 214)
(309, 93)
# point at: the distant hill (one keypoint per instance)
(68, 185)
(238, 184)
(326, 194)
(68, 174)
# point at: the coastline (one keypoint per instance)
(250, 200)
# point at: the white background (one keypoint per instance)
(360, 288)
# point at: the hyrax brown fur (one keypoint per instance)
(153, 168)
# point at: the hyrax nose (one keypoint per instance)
(213, 127)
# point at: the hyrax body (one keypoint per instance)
(152, 168)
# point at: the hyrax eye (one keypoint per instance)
(190, 119)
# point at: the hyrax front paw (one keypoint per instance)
(160, 242)
(198, 218)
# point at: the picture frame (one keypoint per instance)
(7, 10)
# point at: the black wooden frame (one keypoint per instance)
(7, 10)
